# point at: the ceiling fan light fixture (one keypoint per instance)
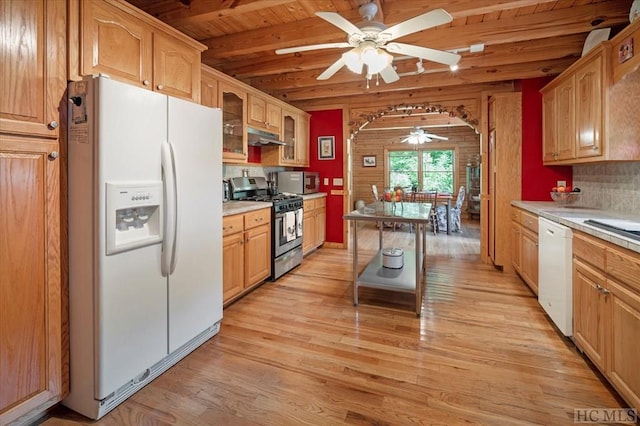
(353, 61)
(374, 58)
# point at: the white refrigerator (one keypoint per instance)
(145, 237)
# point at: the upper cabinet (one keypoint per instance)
(233, 101)
(587, 111)
(264, 114)
(246, 107)
(126, 44)
(34, 69)
(624, 59)
(295, 135)
(208, 87)
(573, 111)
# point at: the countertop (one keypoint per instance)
(314, 195)
(238, 207)
(574, 217)
(388, 212)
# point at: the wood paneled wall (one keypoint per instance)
(463, 139)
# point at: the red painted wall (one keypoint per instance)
(537, 180)
(328, 123)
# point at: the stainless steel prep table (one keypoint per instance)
(408, 279)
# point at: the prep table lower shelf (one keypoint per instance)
(377, 276)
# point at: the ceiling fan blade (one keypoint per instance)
(421, 22)
(340, 22)
(389, 74)
(333, 68)
(432, 136)
(405, 140)
(434, 55)
(311, 47)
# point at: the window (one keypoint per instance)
(424, 169)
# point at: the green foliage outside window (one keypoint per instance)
(422, 169)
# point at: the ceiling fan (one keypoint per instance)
(419, 136)
(370, 41)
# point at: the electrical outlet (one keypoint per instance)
(326, 181)
(562, 183)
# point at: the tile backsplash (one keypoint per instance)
(612, 186)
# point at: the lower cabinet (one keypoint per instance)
(524, 244)
(606, 311)
(246, 253)
(314, 224)
(32, 314)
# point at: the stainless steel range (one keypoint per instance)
(286, 221)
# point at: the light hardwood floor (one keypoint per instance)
(298, 352)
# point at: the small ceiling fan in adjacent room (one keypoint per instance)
(419, 136)
(371, 43)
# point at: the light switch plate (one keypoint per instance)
(326, 181)
(337, 182)
(562, 183)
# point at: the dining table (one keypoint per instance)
(417, 196)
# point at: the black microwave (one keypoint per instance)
(299, 182)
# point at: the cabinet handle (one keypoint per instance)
(53, 125)
(53, 155)
(595, 147)
(146, 82)
(159, 87)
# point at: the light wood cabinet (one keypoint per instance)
(31, 330)
(524, 243)
(208, 87)
(624, 339)
(246, 257)
(125, 43)
(295, 134)
(621, 49)
(232, 100)
(314, 224)
(504, 168)
(574, 107)
(606, 311)
(264, 114)
(34, 69)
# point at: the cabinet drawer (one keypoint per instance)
(321, 202)
(232, 224)
(529, 221)
(589, 250)
(309, 205)
(623, 265)
(257, 218)
(515, 215)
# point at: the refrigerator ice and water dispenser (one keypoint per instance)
(134, 215)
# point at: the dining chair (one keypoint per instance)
(454, 214)
(432, 197)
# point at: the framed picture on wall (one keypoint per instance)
(368, 161)
(326, 148)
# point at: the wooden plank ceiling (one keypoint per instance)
(522, 39)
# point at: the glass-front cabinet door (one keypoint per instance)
(233, 102)
(289, 137)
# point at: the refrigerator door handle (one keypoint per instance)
(168, 261)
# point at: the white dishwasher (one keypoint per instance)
(555, 274)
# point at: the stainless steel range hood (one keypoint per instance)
(257, 137)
